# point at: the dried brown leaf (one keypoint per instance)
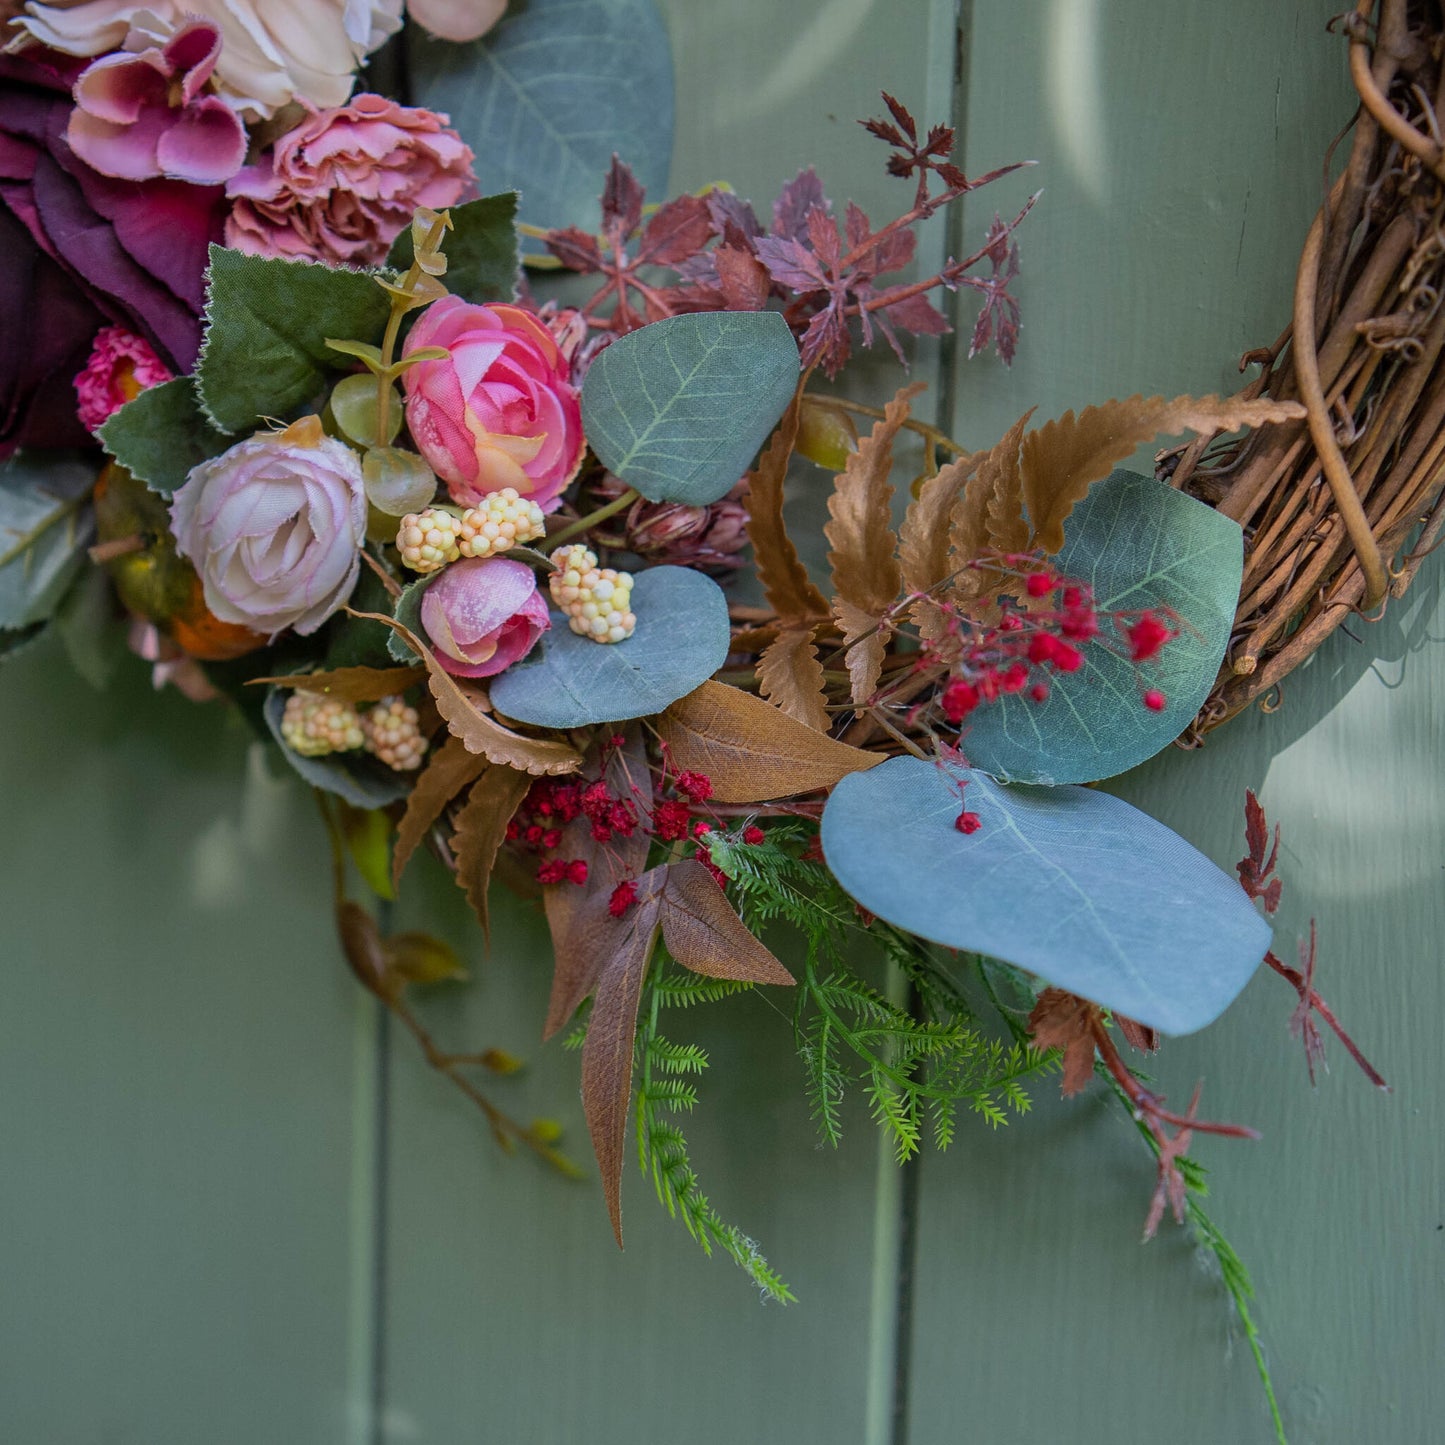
(784, 579)
(451, 768)
(481, 828)
(362, 945)
(478, 732)
(791, 677)
(607, 1053)
(864, 658)
(752, 752)
(1062, 1020)
(349, 684)
(1062, 459)
(704, 933)
(989, 512)
(923, 538)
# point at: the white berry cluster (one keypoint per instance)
(597, 601)
(393, 734)
(504, 519)
(313, 726)
(429, 539)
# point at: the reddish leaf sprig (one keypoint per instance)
(1256, 870)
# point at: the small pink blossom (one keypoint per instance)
(121, 366)
(169, 663)
(145, 113)
(483, 614)
(343, 185)
(499, 410)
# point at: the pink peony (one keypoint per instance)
(275, 527)
(121, 366)
(146, 114)
(343, 185)
(499, 411)
(483, 614)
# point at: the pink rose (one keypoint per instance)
(275, 527)
(499, 411)
(139, 116)
(121, 366)
(483, 614)
(343, 185)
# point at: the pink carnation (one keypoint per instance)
(483, 614)
(499, 410)
(121, 366)
(343, 185)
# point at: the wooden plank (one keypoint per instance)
(1180, 150)
(176, 1060)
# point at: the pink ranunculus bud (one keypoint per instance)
(483, 614)
(121, 366)
(275, 527)
(499, 410)
(345, 183)
(144, 112)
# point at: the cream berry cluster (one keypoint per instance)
(429, 539)
(313, 726)
(597, 601)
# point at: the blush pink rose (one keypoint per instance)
(499, 410)
(483, 614)
(343, 185)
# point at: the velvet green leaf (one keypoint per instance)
(267, 320)
(1072, 884)
(161, 434)
(1140, 544)
(408, 612)
(679, 409)
(481, 249)
(362, 780)
(44, 531)
(549, 93)
(569, 681)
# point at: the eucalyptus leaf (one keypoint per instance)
(407, 611)
(267, 320)
(359, 778)
(1140, 544)
(161, 434)
(481, 249)
(549, 93)
(45, 527)
(570, 681)
(678, 409)
(1072, 884)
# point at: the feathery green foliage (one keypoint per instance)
(663, 1082)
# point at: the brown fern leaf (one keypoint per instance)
(1064, 458)
(989, 513)
(791, 677)
(481, 828)
(923, 538)
(864, 658)
(451, 768)
(785, 580)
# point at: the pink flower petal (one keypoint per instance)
(206, 144)
(118, 87)
(192, 52)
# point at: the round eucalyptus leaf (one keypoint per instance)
(570, 681)
(362, 780)
(1074, 885)
(678, 409)
(1140, 544)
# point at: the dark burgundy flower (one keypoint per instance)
(83, 251)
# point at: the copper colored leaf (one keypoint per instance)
(351, 684)
(607, 1054)
(791, 677)
(923, 538)
(361, 943)
(752, 752)
(451, 768)
(481, 827)
(1064, 458)
(1065, 1021)
(478, 732)
(864, 659)
(421, 958)
(989, 512)
(784, 579)
(704, 933)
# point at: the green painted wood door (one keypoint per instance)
(233, 1210)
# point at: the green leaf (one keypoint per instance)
(547, 96)
(481, 249)
(368, 833)
(1072, 884)
(44, 531)
(1140, 544)
(407, 611)
(267, 320)
(14, 642)
(569, 681)
(91, 628)
(359, 778)
(678, 409)
(422, 958)
(354, 641)
(162, 434)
